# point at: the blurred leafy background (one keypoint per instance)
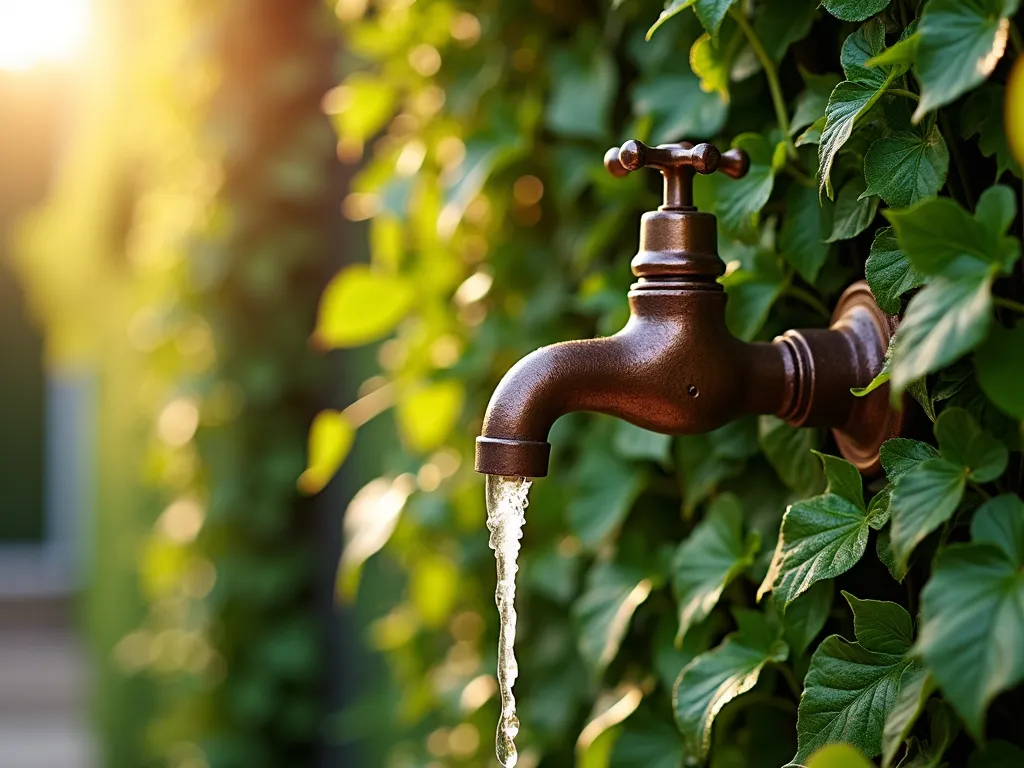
(185, 262)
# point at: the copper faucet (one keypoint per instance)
(675, 368)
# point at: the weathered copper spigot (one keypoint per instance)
(675, 368)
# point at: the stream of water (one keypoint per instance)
(506, 514)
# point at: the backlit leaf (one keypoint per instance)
(961, 43)
(427, 413)
(604, 610)
(361, 305)
(838, 756)
(330, 438)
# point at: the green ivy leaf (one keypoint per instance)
(972, 612)
(899, 455)
(854, 96)
(805, 617)
(922, 501)
(982, 116)
(883, 548)
(788, 450)
(915, 688)
(851, 688)
(604, 490)
(843, 478)
(604, 610)
(855, 210)
(678, 106)
(961, 43)
(907, 166)
(925, 496)
(889, 272)
(803, 233)
(738, 202)
(854, 10)
(962, 441)
(811, 103)
(751, 297)
(940, 238)
(943, 322)
(999, 363)
(583, 87)
(903, 52)
(821, 538)
(648, 744)
(633, 442)
(715, 678)
(714, 554)
(711, 63)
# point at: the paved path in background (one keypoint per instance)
(43, 707)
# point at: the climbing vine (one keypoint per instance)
(743, 597)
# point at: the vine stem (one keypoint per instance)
(904, 92)
(808, 298)
(1001, 301)
(771, 73)
(979, 490)
(787, 675)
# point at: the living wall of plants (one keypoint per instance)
(741, 598)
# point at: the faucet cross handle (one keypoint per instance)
(677, 163)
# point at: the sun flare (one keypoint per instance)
(37, 31)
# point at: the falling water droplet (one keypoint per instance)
(506, 515)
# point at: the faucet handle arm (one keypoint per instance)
(677, 163)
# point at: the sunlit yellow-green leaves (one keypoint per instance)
(838, 756)
(715, 678)
(1014, 111)
(427, 412)
(330, 438)
(961, 43)
(972, 611)
(851, 688)
(361, 305)
(361, 105)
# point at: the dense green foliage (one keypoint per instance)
(727, 599)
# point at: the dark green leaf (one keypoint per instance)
(715, 678)
(889, 272)
(899, 455)
(604, 490)
(811, 104)
(650, 744)
(923, 500)
(804, 229)
(843, 479)
(855, 210)
(788, 450)
(943, 322)
(584, 86)
(907, 166)
(851, 688)
(962, 441)
(714, 554)
(972, 611)
(632, 442)
(738, 202)
(854, 96)
(883, 548)
(821, 538)
(1000, 366)
(751, 297)
(915, 688)
(997, 754)
(604, 610)
(805, 617)
(961, 43)
(983, 116)
(854, 10)
(678, 107)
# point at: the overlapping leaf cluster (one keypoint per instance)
(875, 135)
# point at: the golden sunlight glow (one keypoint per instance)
(37, 31)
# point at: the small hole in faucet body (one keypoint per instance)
(693, 391)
